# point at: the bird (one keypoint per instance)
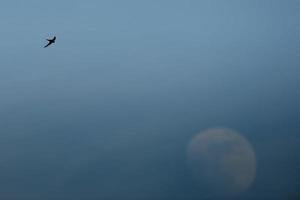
(50, 41)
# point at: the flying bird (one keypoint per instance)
(50, 41)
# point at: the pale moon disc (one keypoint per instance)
(222, 160)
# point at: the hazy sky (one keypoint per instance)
(108, 111)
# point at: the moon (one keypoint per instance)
(222, 160)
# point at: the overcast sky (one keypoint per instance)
(108, 111)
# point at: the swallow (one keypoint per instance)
(50, 41)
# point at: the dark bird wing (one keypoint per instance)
(48, 44)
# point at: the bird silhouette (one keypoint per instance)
(50, 41)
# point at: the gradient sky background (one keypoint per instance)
(108, 111)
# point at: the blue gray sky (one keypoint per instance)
(109, 110)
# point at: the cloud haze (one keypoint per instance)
(109, 110)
